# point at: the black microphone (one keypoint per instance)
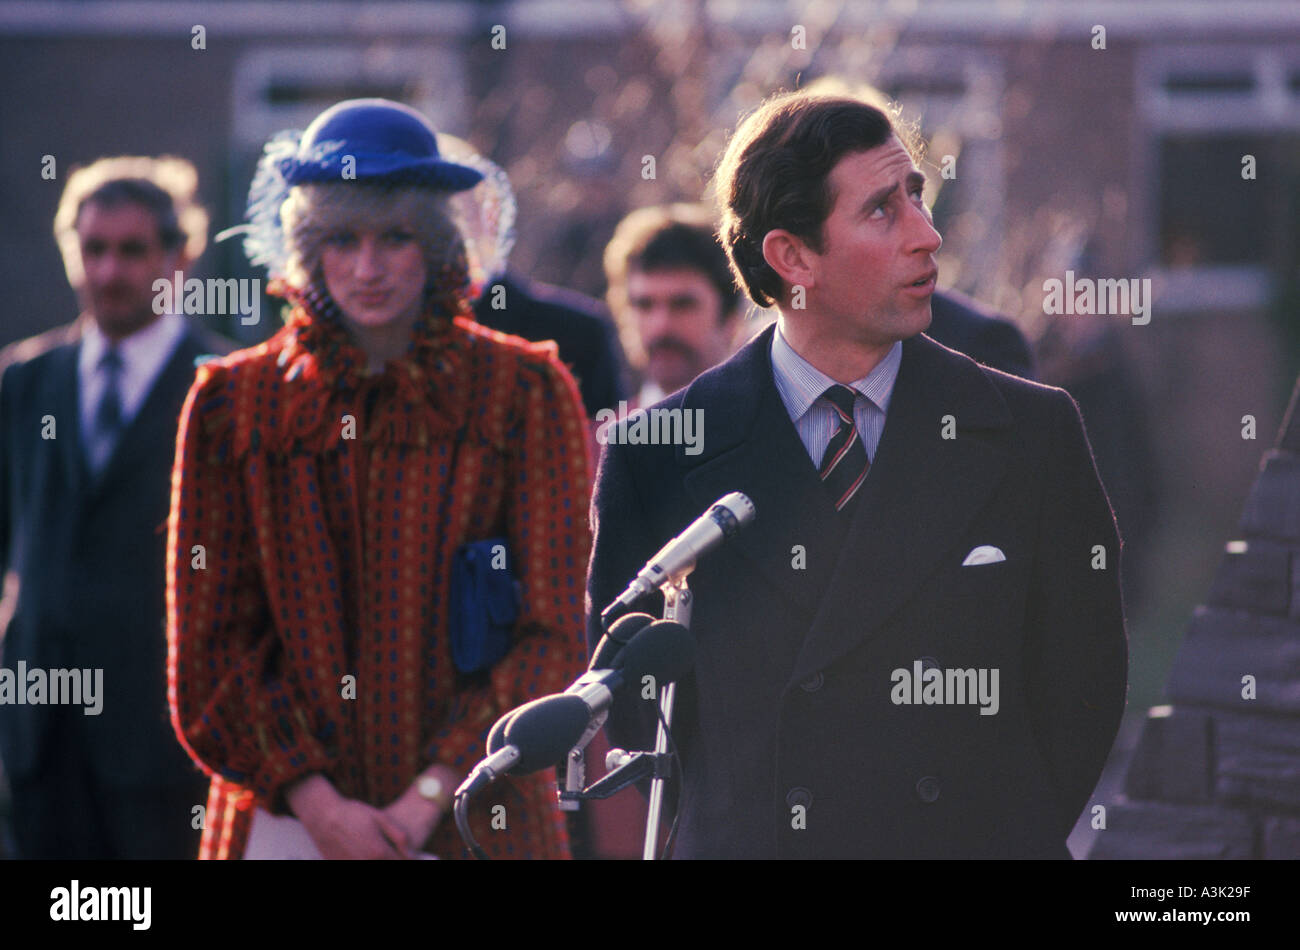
(497, 736)
(678, 557)
(663, 649)
(536, 735)
(605, 656)
(542, 732)
(609, 654)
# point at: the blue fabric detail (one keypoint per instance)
(484, 606)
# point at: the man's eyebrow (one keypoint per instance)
(878, 197)
(915, 179)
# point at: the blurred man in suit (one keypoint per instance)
(917, 650)
(577, 323)
(967, 326)
(673, 296)
(514, 303)
(88, 417)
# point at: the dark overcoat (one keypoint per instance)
(84, 559)
(793, 742)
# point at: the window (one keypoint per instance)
(1223, 157)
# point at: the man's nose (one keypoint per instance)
(105, 267)
(924, 238)
(654, 321)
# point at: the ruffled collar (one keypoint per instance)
(418, 397)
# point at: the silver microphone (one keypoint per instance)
(678, 557)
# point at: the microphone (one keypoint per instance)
(607, 652)
(496, 739)
(536, 735)
(678, 557)
(607, 656)
(663, 649)
(543, 732)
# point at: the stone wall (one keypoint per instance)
(1216, 773)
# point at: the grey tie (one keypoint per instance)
(107, 423)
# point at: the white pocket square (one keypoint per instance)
(984, 554)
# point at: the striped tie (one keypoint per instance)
(845, 464)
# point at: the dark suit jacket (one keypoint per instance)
(790, 700)
(579, 325)
(85, 563)
(962, 324)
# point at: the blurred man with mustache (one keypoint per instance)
(88, 416)
(672, 293)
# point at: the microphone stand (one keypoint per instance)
(677, 607)
(635, 766)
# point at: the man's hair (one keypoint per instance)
(665, 237)
(775, 173)
(165, 187)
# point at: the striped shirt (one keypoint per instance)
(800, 385)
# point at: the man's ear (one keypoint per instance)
(790, 257)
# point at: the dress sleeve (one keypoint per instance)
(231, 708)
(549, 543)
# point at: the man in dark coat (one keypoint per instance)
(963, 324)
(579, 326)
(917, 649)
(88, 417)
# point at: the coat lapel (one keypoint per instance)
(922, 492)
(751, 446)
(66, 388)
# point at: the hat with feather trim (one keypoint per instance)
(367, 139)
(379, 141)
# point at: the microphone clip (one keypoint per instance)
(626, 768)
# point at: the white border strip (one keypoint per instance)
(988, 19)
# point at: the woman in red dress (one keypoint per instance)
(324, 484)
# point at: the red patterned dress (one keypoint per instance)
(315, 513)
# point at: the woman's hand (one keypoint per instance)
(418, 815)
(344, 828)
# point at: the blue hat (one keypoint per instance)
(383, 139)
(390, 143)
